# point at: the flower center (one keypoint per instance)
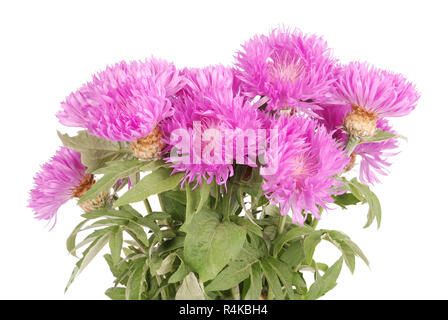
(286, 70)
(85, 185)
(306, 166)
(149, 147)
(360, 122)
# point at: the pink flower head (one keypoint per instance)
(289, 68)
(378, 91)
(212, 80)
(55, 184)
(124, 102)
(213, 118)
(306, 159)
(373, 155)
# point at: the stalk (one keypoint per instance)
(190, 204)
(147, 206)
(281, 225)
(352, 142)
(226, 205)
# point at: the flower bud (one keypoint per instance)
(149, 147)
(99, 202)
(360, 123)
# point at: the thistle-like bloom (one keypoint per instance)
(372, 93)
(374, 155)
(302, 160)
(290, 69)
(209, 118)
(61, 178)
(212, 81)
(125, 102)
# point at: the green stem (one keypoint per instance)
(226, 205)
(314, 223)
(162, 205)
(162, 291)
(147, 206)
(281, 225)
(352, 142)
(270, 294)
(235, 293)
(190, 205)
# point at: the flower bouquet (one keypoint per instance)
(209, 183)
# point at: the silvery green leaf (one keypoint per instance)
(231, 276)
(116, 293)
(381, 135)
(325, 283)
(210, 243)
(156, 182)
(190, 289)
(95, 152)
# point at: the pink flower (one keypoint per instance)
(377, 91)
(212, 117)
(301, 167)
(124, 102)
(56, 183)
(212, 80)
(289, 68)
(374, 155)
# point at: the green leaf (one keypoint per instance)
(88, 256)
(346, 199)
(156, 182)
(272, 210)
(71, 241)
(210, 244)
(152, 225)
(180, 273)
(113, 174)
(363, 193)
(167, 264)
(381, 135)
(108, 213)
(204, 195)
(273, 281)
(116, 293)
(248, 225)
(310, 243)
(173, 204)
(116, 244)
(283, 272)
(231, 276)
(256, 283)
(136, 282)
(297, 232)
(294, 254)
(190, 289)
(345, 244)
(171, 245)
(137, 232)
(325, 283)
(95, 152)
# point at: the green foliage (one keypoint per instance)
(205, 242)
(364, 195)
(156, 182)
(210, 243)
(95, 152)
(381, 135)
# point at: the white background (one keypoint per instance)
(50, 48)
